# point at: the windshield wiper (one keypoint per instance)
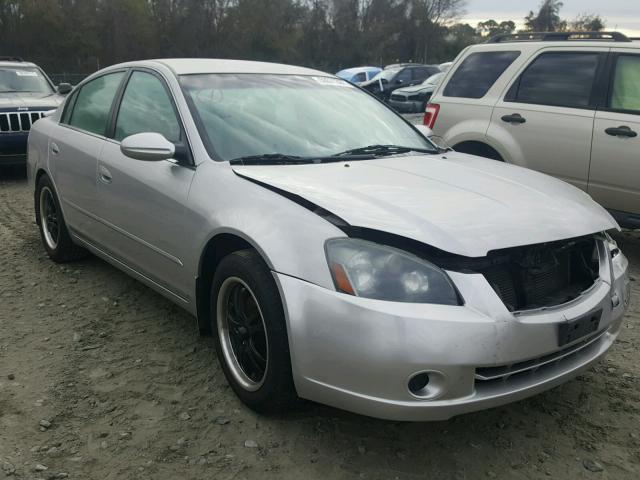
(383, 150)
(284, 159)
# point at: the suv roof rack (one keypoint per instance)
(558, 36)
(10, 59)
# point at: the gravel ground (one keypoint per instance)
(101, 378)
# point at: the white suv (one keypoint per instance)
(567, 104)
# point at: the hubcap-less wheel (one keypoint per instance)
(242, 333)
(49, 218)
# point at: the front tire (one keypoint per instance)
(53, 229)
(250, 333)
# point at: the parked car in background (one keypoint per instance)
(358, 74)
(414, 99)
(334, 252)
(26, 93)
(397, 76)
(567, 104)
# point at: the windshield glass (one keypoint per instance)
(387, 74)
(242, 115)
(433, 79)
(23, 79)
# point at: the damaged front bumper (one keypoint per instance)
(361, 355)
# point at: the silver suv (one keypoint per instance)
(26, 93)
(567, 104)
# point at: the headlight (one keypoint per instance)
(371, 270)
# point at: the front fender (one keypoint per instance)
(289, 237)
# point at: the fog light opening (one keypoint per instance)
(418, 385)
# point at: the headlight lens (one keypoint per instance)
(371, 270)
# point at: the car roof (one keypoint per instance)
(359, 69)
(193, 66)
(536, 45)
(17, 64)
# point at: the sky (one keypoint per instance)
(620, 15)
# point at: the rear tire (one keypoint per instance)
(250, 333)
(53, 229)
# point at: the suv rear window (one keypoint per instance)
(477, 74)
(562, 79)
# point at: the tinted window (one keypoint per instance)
(404, 75)
(92, 107)
(477, 74)
(421, 73)
(625, 94)
(146, 107)
(561, 79)
(360, 77)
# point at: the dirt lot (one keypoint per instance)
(101, 378)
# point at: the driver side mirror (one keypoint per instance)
(150, 147)
(64, 88)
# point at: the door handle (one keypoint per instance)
(55, 149)
(104, 175)
(623, 131)
(514, 118)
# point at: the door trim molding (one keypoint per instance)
(130, 236)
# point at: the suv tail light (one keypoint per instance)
(431, 114)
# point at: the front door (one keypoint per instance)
(142, 203)
(545, 120)
(614, 179)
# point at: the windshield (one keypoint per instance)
(23, 79)
(387, 74)
(434, 79)
(243, 115)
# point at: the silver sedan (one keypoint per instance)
(332, 250)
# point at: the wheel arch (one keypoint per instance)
(481, 149)
(217, 247)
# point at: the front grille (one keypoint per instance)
(488, 375)
(11, 122)
(398, 98)
(543, 275)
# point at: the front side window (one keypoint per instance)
(23, 79)
(558, 79)
(625, 94)
(93, 103)
(146, 107)
(477, 74)
(243, 115)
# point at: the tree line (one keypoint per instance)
(85, 35)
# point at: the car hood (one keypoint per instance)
(455, 202)
(35, 100)
(415, 89)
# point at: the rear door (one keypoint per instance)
(75, 148)
(545, 118)
(614, 179)
(143, 204)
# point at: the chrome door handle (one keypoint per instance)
(55, 149)
(104, 175)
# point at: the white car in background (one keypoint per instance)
(566, 104)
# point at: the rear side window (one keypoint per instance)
(477, 74)
(562, 79)
(93, 103)
(625, 94)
